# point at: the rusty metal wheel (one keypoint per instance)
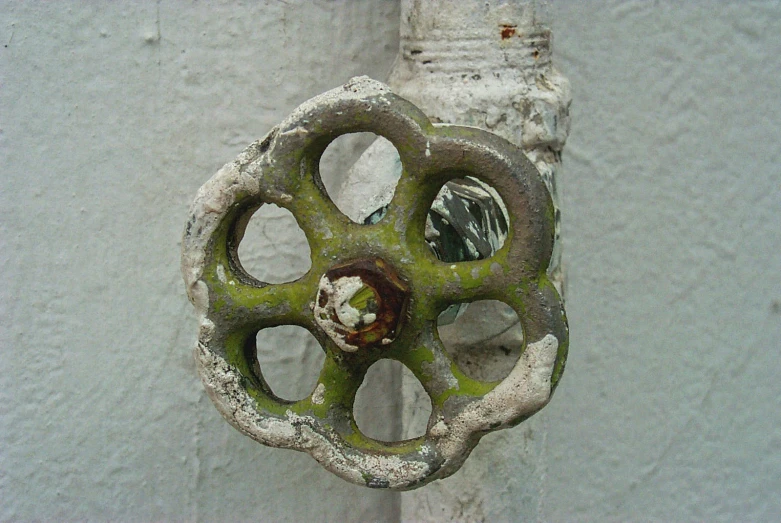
(373, 291)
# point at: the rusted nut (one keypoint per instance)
(361, 304)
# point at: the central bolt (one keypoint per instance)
(356, 305)
(361, 304)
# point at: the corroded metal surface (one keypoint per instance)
(361, 304)
(232, 306)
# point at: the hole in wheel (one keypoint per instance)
(274, 249)
(391, 404)
(290, 360)
(360, 172)
(485, 338)
(467, 221)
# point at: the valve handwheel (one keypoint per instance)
(373, 291)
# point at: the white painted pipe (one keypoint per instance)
(482, 63)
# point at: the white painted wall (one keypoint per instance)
(111, 116)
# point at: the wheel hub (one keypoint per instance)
(361, 304)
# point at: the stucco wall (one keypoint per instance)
(672, 194)
(112, 115)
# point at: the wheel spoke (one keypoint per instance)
(242, 305)
(437, 372)
(318, 217)
(450, 283)
(411, 201)
(336, 387)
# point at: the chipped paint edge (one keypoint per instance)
(300, 432)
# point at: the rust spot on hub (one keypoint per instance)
(361, 304)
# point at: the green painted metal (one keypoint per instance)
(283, 169)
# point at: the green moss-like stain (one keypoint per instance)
(398, 238)
(364, 299)
(466, 386)
(235, 345)
(359, 441)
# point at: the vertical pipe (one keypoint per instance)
(482, 63)
(487, 64)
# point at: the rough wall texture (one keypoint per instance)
(112, 116)
(672, 234)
